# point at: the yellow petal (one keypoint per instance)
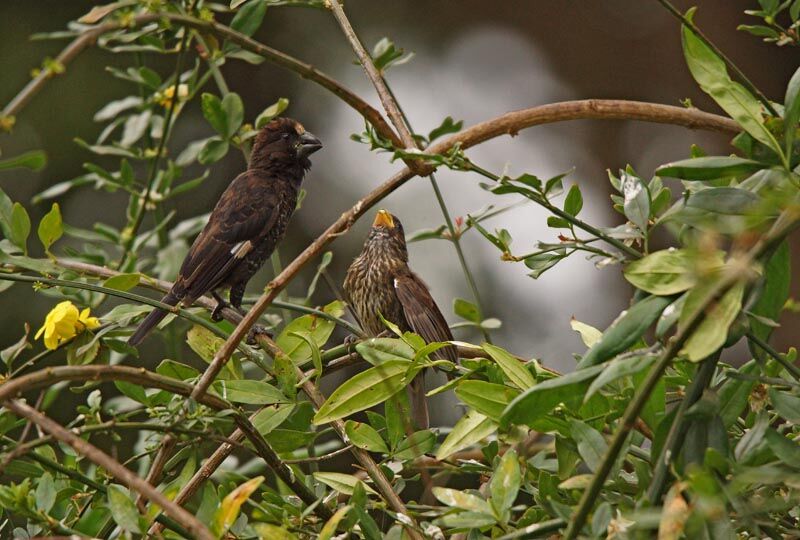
(89, 322)
(40, 332)
(51, 342)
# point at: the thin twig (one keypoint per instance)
(100, 458)
(388, 102)
(323, 457)
(790, 367)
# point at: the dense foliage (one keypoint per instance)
(650, 432)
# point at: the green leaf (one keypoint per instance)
(269, 418)
(513, 368)
(50, 227)
(467, 520)
(574, 201)
(734, 394)
(753, 437)
(271, 112)
(637, 200)
(466, 310)
(248, 19)
(709, 168)
(176, 370)
(213, 150)
(364, 390)
(133, 391)
(364, 436)
(592, 447)
(313, 326)
(34, 160)
(711, 74)
(724, 200)
(377, 351)
(541, 262)
(272, 532)
(669, 271)
(20, 227)
(418, 443)
(343, 483)
(122, 282)
(625, 330)
(462, 500)
(791, 106)
(386, 54)
(213, 111)
(470, 429)
(589, 334)
(537, 402)
(787, 405)
(618, 368)
(234, 113)
(712, 331)
(447, 126)
(786, 450)
(505, 484)
(249, 391)
(487, 398)
(775, 291)
(123, 510)
(45, 493)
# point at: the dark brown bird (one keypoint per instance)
(380, 282)
(247, 223)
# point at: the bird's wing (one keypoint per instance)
(243, 215)
(422, 313)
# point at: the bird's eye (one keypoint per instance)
(285, 136)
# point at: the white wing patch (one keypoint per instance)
(240, 250)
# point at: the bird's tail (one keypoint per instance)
(419, 403)
(152, 320)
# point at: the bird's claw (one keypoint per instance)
(351, 340)
(216, 314)
(255, 331)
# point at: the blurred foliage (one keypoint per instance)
(651, 432)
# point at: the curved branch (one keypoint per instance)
(114, 467)
(48, 376)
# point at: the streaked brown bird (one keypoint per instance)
(247, 223)
(380, 282)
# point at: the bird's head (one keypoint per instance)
(285, 141)
(387, 234)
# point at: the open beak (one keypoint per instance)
(308, 144)
(383, 219)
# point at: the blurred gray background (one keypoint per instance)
(474, 60)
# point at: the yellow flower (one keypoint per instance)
(164, 98)
(65, 322)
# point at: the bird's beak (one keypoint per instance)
(308, 144)
(383, 219)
